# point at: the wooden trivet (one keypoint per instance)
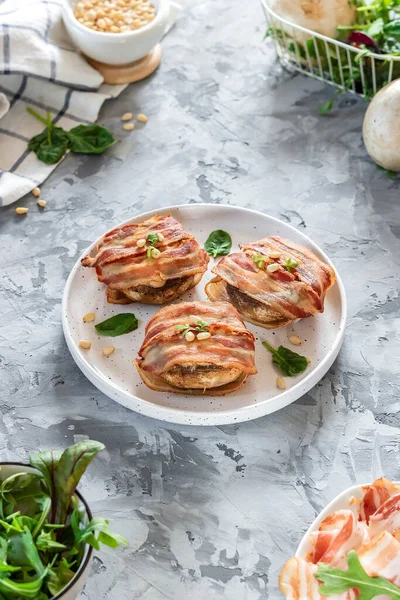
(135, 71)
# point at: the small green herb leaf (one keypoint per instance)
(218, 243)
(290, 264)
(201, 326)
(89, 139)
(259, 259)
(152, 239)
(289, 362)
(50, 145)
(117, 325)
(327, 107)
(335, 581)
(182, 327)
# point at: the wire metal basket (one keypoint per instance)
(344, 66)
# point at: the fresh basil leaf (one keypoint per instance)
(218, 243)
(50, 149)
(117, 325)
(89, 139)
(289, 362)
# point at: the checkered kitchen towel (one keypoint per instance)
(39, 67)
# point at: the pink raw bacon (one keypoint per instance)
(297, 582)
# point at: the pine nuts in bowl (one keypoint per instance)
(128, 31)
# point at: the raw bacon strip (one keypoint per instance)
(375, 495)
(386, 518)
(121, 264)
(293, 295)
(337, 535)
(297, 582)
(381, 557)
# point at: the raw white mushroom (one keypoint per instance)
(322, 16)
(381, 128)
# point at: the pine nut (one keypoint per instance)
(140, 243)
(161, 238)
(189, 337)
(114, 16)
(21, 210)
(41, 203)
(204, 335)
(275, 254)
(280, 383)
(142, 118)
(85, 344)
(89, 317)
(127, 116)
(273, 267)
(108, 351)
(36, 192)
(128, 126)
(295, 340)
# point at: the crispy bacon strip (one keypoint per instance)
(293, 295)
(375, 495)
(338, 533)
(121, 264)
(297, 582)
(386, 517)
(231, 345)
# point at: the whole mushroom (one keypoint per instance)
(322, 16)
(381, 127)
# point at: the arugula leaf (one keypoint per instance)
(117, 325)
(335, 581)
(96, 525)
(46, 542)
(89, 139)
(289, 362)
(22, 590)
(218, 243)
(59, 577)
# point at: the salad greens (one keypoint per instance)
(218, 243)
(117, 325)
(289, 362)
(43, 530)
(376, 30)
(51, 145)
(335, 581)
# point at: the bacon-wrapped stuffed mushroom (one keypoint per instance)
(151, 262)
(272, 282)
(196, 348)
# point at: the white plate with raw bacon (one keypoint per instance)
(204, 314)
(352, 550)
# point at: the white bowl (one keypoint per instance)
(341, 502)
(75, 586)
(117, 48)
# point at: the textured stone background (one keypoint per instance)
(215, 512)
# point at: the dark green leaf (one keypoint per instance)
(117, 325)
(23, 552)
(218, 243)
(152, 239)
(22, 590)
(46, 463)
(326, 107)
(58, 578)
(89, 139)
(46, 541)
(106, 536)
(335, 581)
(376, 27)
(289, 362)
(392, 28)
(49, 151)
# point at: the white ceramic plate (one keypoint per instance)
(341, 502)
(117, 377)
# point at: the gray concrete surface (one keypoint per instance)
(215, 512)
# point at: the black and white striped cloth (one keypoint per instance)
(39, 67)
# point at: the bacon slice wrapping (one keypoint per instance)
(231, 345)
(293, 294)
(375, 495)
(386, 517)
(121, 264)
(297, 581)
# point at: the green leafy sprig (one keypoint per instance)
(289, 362)
(199, 327)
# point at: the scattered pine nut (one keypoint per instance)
(295, 340)
(189, 337)
(21, 210)
(280, 383)
(204, 335)
(109, 350)
(160, 237)
(41, 203)
(36, 192)
(89, 317)
(140, 243)
(275, 254)
(127, 117)
(85, 344)
(142, 118)
(128, 126)
(273, 267)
